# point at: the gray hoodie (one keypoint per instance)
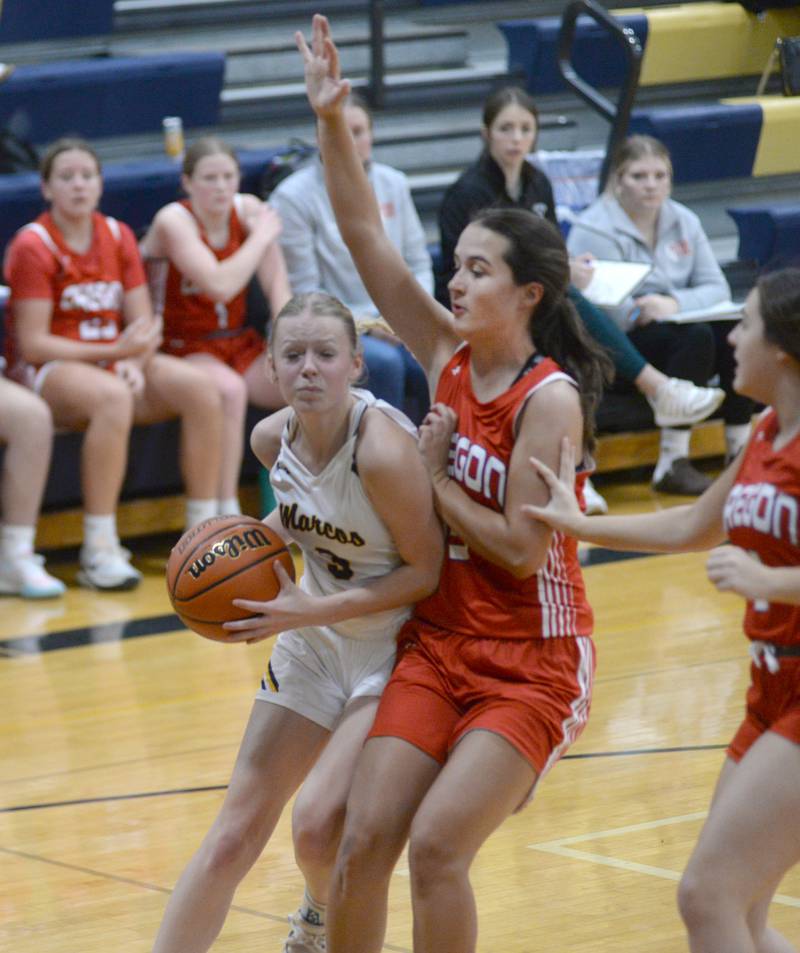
(684, 266)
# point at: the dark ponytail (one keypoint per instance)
(536, 253)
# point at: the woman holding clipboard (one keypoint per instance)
(636, 221)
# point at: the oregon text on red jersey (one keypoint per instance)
(765, 508)
(762, 516)
(477, 469)
(476, 596)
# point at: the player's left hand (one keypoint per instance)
(292, 608)
(435, 433)
(733, 569)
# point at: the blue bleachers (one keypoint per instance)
(23, 21)
(532, 46)
(768, 234)
(112, 96)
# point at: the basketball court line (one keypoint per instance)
(561, 848)
(130, 881)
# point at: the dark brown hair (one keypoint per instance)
(497, 101)
(206, 146)
(779, 303)
(536, 253)
(66, 144)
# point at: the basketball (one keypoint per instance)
(219, 560)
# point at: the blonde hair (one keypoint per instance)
(318, 304)
(633, 149)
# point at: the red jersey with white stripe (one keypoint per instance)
(762, 515)
(475, 596)
(87, 290)
(190, 314)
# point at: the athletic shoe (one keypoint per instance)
(25, 576)
(683, 479)
(595, 504)
(678, 403)
(108, 568)
(303, 937)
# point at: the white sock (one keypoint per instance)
(736, 436)
(312, 911)
(16, 540)
(100, 532)
(199, 510)
(674, 445)
(229, 506)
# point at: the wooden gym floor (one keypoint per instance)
(119, 731)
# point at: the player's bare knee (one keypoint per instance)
(696, 900)
(232, 848)
(232, 390)
(432, 857)
(316, 836)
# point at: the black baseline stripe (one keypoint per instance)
(221, 787)
(89, 635)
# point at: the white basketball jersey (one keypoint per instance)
(329, 515)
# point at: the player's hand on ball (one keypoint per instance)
(290, 609)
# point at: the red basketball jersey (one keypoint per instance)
(188, 313)
(475, 596)
(87, 290)
(762, 515)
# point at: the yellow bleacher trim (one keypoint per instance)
(778, 149)
(690, 42)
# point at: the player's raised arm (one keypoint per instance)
(424, 325)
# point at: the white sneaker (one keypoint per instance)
(108, 568)
(678, 402)
(26, 576)
(303, 937)
(595, 504)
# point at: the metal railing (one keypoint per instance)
(619, 115)
(377, 68)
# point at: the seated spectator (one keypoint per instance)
(26, 429)
(502, 177)
(83, 336)
(211, 244)
(636, 220)
(318, 259)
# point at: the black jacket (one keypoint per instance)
(482, 185)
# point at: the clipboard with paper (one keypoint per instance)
(614, 281)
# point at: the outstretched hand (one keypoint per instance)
(325, 88)
(562, 511)
(292, 608)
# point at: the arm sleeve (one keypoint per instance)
(30, 268)
(297, 242)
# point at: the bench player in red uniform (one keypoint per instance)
(213, 243)
(83, 336)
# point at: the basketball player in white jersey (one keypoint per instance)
(352, 492)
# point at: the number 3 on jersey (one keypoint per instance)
(338, 567)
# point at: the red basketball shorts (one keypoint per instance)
(773, 704)
(238, 352)
(535, 693)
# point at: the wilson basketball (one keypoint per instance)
(219, 560)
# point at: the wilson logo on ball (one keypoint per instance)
(231, 548)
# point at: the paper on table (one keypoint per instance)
(721, 311)
(614, 281)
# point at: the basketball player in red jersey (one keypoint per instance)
(494, 672)
(82, 335)
(214, 242)
(752, 835)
